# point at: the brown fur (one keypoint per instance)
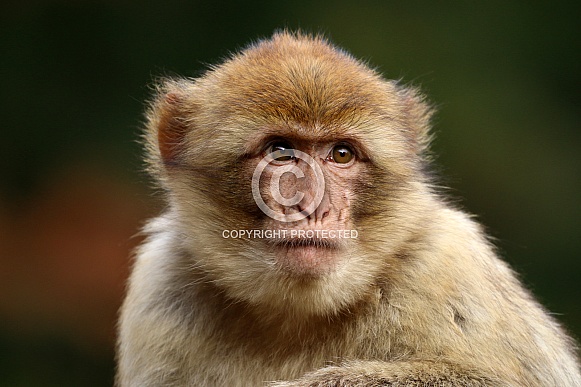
(419, 299)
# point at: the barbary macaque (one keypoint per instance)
(304, 242)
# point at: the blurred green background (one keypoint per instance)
(505, 76)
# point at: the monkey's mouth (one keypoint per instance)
(303, 242)
(306, 256)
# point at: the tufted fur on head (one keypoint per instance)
(199, 132)
(291, 78)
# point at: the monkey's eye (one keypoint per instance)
(282, 151)
(341, 154)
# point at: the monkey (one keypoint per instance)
(305, 241)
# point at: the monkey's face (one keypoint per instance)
(305, 189)
(294, 212)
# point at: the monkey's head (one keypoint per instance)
(293, 173)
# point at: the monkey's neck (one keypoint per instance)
(234, 319)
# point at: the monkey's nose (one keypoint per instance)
(320, 213)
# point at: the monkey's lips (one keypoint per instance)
(306, 256)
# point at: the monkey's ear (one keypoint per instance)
(170, 126)
(419, 114)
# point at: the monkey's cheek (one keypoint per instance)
(307, 260)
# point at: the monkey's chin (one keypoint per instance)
(307, 260)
